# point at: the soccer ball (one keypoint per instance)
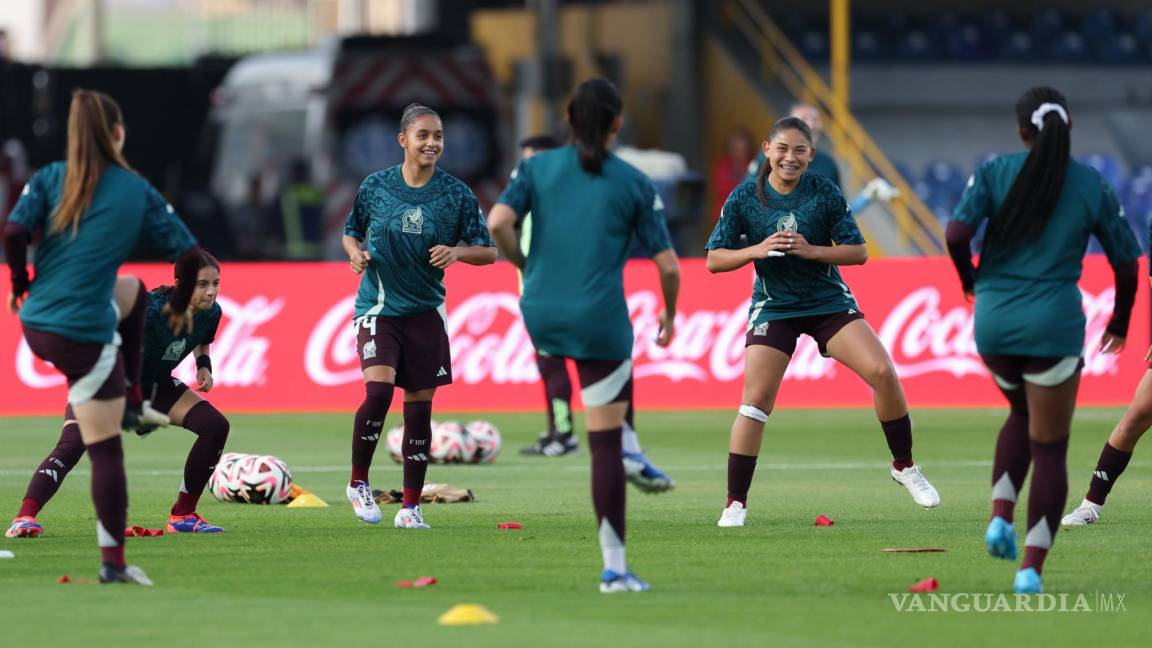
(395, 440)
(250, 479)
(450, 444)
(487, 439)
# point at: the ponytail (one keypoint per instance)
(782, 124)
(92, 118)
(1043, 113)
(592, 111)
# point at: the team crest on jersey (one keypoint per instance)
(787, 224)
(174, 351)
(369, 350)
(414, 221)
(761, 329)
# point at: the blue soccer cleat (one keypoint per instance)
(644, 475)
(1028, 581)
(612, 582)
(1001, 539)
(24, 526)
(190, 524)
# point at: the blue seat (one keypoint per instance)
(1068, 47)
(1045, 26)
(968, 42)
(813, 44)
(1017, 45)
(916, 45)
(945, 178)
(1108, 166)
(867, 45)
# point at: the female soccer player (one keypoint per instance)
(86, 215)
(1041, 207)
(559, 439)
(800, 229)
(586, 205)
(414, 220)
(163, 351)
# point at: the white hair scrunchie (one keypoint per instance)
(1044, 109)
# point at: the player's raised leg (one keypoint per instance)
(640, 470)
(856, 346)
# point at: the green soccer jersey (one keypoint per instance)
(401, 224)
(790, 286)
(74, 277)
(164, 351)
(582, 224)
(822, 164)
(1027, 301)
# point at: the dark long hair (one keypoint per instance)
(1037, 188)
(92, 119)
(594, 106)
(412, 111)
(782, 124)
(204, 259)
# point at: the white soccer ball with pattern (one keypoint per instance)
(450, 444)
(395, 441)
(487, 440)
(251, 479)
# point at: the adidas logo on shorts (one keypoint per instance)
(441, 373)
(761, 329)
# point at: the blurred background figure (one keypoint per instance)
(731, 168)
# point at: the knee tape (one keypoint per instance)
(754, 413)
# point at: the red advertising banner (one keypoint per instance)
(287, 344)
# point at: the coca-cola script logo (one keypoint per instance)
(490, 344)
(239, 355)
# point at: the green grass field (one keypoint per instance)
(313, 576)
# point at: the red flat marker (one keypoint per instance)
(64, 580)
(425, 581)
(824, 520)
(404, 583)
(913, 550)
(926, 585)
(509, 525)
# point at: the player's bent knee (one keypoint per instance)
(754, 413)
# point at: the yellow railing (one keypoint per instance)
(916, 223)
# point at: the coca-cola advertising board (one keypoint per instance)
(286, 342)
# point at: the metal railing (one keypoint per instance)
(916, 224)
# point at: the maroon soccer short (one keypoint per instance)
(165, 394)
(94, 371)
(415, 346)
(603, 382)
(782, 333)
(1011, 371)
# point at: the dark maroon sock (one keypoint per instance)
(898, 433)
(51, 472)
(1046, 499)
(557, 393)
(1109, 467)
(131, 330)
(110, 495)
(368, 426)
(741, 468)
(211, 428)
(1010, 466)
(417, 445)
(608, 479)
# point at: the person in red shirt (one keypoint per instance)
(731, 168)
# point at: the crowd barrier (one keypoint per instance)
(286, 342)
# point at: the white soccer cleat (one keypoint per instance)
(363, 504)
(1086, 513)
(922, 492)
(733, 516)
(410, 518)
(614, 583)
(125, 574)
